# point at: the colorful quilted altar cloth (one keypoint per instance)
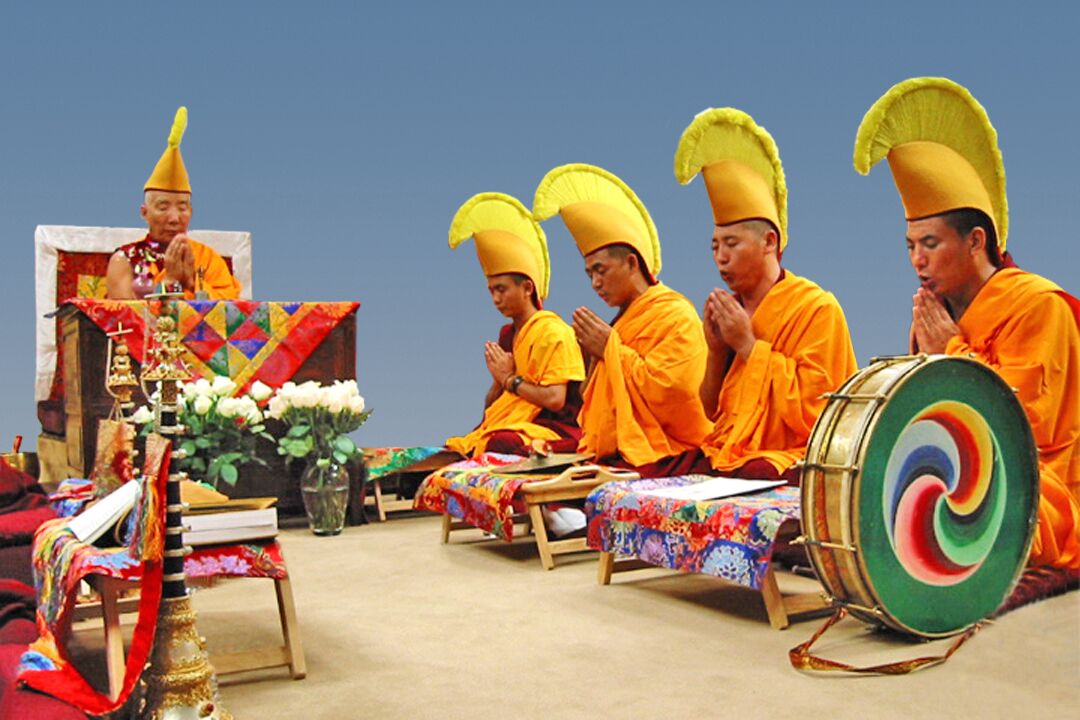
(474, 491)
(259, 559)
(242, 339)
(61, 562)
(731, 538)
(388, 460)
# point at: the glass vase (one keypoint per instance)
(324, 487)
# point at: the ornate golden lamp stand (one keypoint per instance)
(180, 684)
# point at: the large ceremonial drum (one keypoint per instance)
(920, 493)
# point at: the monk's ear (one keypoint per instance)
(143, 210)
(978, 240)
(772, 241)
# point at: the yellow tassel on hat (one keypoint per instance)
(740, 164)
(599, 209)
(170, 174)
(942, 150)
(508, 238)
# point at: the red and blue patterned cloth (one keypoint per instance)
(475, 492)
(731, 538)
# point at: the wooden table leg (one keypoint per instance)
(110, 589)
(290, 629)
(607, 564)
(447, 521)
(540, 530)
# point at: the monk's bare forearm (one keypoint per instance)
(549, 397)
(716, 368)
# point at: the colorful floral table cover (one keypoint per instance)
(475, 492)
(731, 538)
(382, 461)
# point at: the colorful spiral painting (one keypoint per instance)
(947, 493)
(944, 495)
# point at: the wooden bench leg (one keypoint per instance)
(110, 589)
(540, 530)
(290, 629)
(607, 564)
(447, 522)
(376, 486)
(774, 601)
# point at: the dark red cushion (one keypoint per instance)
(15, 486)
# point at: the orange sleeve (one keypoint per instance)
(218, 282)
(789, 385)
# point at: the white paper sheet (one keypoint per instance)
(713, 488)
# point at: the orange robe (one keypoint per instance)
(768, 403)
(545, 353)
(642, 396)
(1021, 325)
(218, 282)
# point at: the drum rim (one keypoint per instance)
(918, 361)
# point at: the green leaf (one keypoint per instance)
(198, 465)
(345, 444)
(202, 442)
(341, 457)
(298, 431)
(188, 446)
(229, 474)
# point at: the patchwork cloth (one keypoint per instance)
(61, 562)
(731, 538)
(475, 492)
(261, 558)
(245, 340)
(389, 460)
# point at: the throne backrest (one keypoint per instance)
(71, 262)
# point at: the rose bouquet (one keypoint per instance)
(319, 418)
(222, 430)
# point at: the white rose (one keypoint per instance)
(356, 405)
(254, 417)
(199, 387)
(202, 405)
(260, 391)
(306, 395)
(277, 407)
(228, 407)
(142, 415)
(334, 400)
(223, 386)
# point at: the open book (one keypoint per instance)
(92, 523)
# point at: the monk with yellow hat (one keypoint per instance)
(640, 404)
(777, 342)
(536, 365)
(973, 300)
(167, 258)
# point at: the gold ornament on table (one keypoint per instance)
(120, 379)
(179, 683)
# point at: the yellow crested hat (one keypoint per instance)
(508, 238)
(942, 150)
(739, 162)
(599, 210)
(169, 173)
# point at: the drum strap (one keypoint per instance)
(801, 659)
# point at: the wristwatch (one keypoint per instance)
(515, 384)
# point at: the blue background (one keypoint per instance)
(345, 138)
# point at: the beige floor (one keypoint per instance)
(398, 626)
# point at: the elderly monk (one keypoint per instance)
(777, 342)
(640, 404)
(167, 256)
(536, 367)
(973, 300)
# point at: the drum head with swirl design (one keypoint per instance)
(948, 498)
